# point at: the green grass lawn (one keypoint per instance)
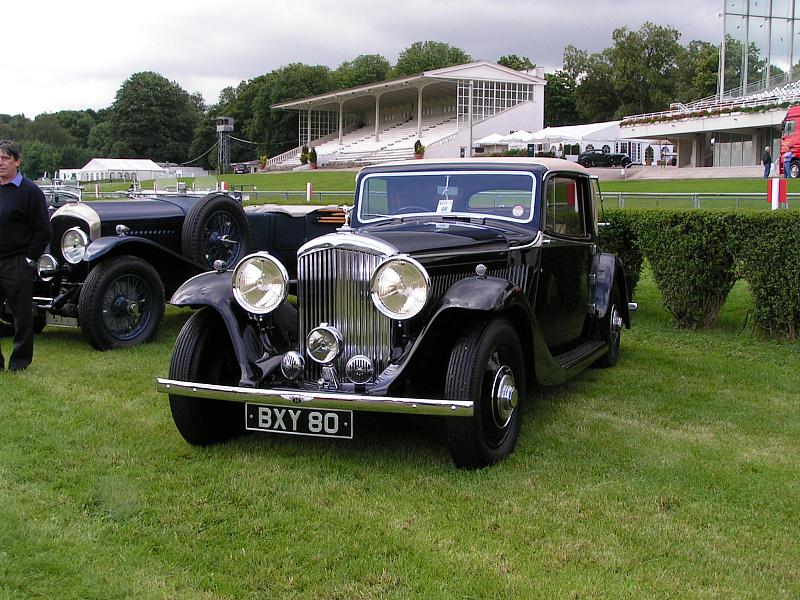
(673, 475)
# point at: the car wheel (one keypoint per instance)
(610, 333)
(215, 228)
(203, 353)
(121, 303)
(586, 163)
(486, 367)
(794, 169)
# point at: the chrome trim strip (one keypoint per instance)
(84, 212)
(317, 399)
(347, 241)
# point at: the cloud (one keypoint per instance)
(84, 50)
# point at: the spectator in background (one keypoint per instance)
(787, 163)
(24, 234)
(766, 158)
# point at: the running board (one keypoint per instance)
(573, 357)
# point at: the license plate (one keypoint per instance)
(60, 321)
(299, 421)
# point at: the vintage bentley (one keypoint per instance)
(453, 288)
(112, 263)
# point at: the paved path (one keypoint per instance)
(637, 172)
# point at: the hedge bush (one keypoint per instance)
(767, 251)
(619, 237)
(691, 256)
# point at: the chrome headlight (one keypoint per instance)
(260, 283)
(73, 245)
(46, 267)
(400, 287)
(324, 343)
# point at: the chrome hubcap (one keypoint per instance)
(504, 396)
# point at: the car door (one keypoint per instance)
(562, 294)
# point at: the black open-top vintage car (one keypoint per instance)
(455, 287)
(112, 263)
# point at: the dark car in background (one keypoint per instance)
(111, 264)
(598, 158)
(456, 287)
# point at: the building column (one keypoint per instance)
(419, 112)
(308, 127)
(341, 120)
(377, 116)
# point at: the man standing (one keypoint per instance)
(24, 234)
(766, 158)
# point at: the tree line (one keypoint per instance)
(151, 117)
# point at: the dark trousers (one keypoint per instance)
(16, 288)
(767, 169)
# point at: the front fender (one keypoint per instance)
(214, 289)
(135, 246)
(475, 293)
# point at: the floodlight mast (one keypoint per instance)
(224, 128)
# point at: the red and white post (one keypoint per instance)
(776, 192)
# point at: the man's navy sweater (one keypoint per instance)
(24, 222)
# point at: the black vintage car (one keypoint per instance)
(598, 158)
(457, 285)
(111, 263)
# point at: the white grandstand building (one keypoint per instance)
(447, 110)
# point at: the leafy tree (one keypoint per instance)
(362, 70)
(518, 63)
(560, 103)
(153, 117)
(698, 72)
(39, 158)
(78, 123)
(426, 56)
(276, 130)
(48, 129)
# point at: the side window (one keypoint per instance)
(566, 205)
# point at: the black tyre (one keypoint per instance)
(585, 162)
(610, 332)
(121, 303)
(215, 228)
(486, 367)
(203, 353)
(794, 169)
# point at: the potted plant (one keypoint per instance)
(304, 155)
(648, 156)
(419, 149)
(312, 158)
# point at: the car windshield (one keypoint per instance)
(492, 194)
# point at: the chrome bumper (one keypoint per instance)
(317, 399)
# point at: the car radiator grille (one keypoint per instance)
(333, 288)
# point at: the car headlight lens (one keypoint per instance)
(260, 283)
(400, 288)
(73, 245)
(46, 267)
(324, 343)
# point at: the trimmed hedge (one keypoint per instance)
(696, 257)
(767, 251)
(618, 237)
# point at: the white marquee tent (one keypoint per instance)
(125, 169)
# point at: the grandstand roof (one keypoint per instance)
(606, 129)
(405, 88)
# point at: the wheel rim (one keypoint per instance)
(127, 307)
(501, 396)
(221, 238)
(615, 327)
(794, 170)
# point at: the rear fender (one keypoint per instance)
(610, 275)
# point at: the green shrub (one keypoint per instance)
(691, 258)
(618, 237)
(767, 251)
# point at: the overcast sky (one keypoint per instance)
(74, 55)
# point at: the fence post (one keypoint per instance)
(620, 201)
(696, 201)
